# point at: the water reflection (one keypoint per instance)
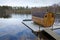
(13, 29)
(21, 16)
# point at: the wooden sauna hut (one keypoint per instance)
(46, 19)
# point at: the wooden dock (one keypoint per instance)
(38, 29)
(33, 26)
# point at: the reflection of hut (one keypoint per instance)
(43, 18)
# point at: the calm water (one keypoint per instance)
(13, 29)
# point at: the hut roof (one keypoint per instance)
(39, 14)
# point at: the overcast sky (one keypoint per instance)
(30, 3)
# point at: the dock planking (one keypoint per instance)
(52, 34)
(33, 26)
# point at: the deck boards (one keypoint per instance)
(53, 34)
(31, 25)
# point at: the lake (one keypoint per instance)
(12, 28)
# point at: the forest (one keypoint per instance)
(6, 10)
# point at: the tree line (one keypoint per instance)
(6, 10)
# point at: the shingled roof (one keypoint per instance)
(38, 14)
